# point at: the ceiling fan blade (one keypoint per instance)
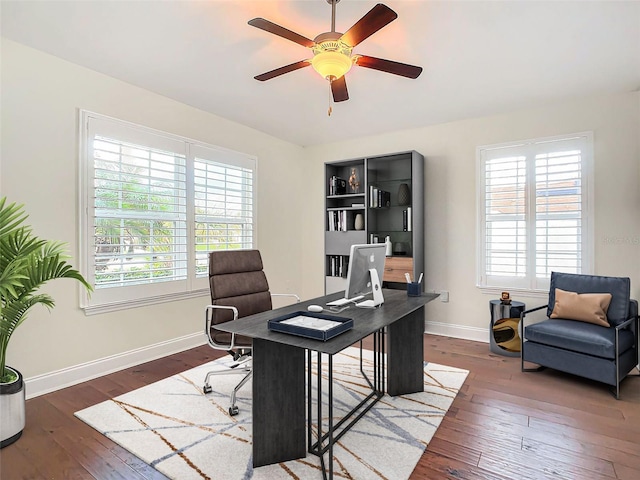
(339, 89)
(271, 27)
(374, 20)
(282, 70)
(389, 66)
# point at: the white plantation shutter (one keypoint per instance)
(533, 211)
(154, 205)
(224, 199)
(559, 212)
(505, 216)
(139, 213)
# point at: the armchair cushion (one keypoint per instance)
(585, 307)
(580, 337)
(618, 287)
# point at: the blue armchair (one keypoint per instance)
(606, 354)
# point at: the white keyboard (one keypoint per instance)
(343, 301)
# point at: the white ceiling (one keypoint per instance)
(479, 57)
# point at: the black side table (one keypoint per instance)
(504, 336)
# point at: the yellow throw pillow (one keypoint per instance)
(586, 307)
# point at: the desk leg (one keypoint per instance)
(405, 371)
(278, 403)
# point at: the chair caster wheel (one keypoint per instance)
(207, 389)
(233, 411)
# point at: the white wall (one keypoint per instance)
(450, 184)
(41, 95)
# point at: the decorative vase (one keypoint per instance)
(399, 248)
(404, 194)
(359, 222)
(12, 410)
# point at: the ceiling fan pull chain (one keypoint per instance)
(330, 102)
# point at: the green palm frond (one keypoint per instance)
(11, 217)
(16, 312)
(26, 264)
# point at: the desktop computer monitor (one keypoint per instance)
(366, 269)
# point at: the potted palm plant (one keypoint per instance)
(26, 263)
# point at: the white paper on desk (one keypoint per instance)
(311, 322)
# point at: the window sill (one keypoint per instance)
(142, 302)
(542, 295)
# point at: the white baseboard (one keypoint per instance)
(66, 377)
(52, 381)
(457, 331)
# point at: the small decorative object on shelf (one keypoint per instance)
(399, 248)
(404, 195)
(359, 222)
(337, 186)
(388, 246)
(354, 181)
(505, 299)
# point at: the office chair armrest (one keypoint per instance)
(207, 329)
(287, 295)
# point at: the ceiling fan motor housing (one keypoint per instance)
(331, 56)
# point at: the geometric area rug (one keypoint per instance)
(177, 429)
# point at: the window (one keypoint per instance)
(534, 211)
(154, 205)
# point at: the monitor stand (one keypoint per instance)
(376, 288)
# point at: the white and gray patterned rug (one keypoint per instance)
(186, 434)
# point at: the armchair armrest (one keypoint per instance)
(633, 323)
(626, 323)
(522, 315)
(522, 341)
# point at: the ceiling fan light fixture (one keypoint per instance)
(331, 64)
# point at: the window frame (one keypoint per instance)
(123, 297)
(531, 283)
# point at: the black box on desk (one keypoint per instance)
(317, 326)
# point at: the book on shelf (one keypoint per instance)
(384, 198)
(406, 220)
(379, 198)
(338, 220)
(337, 266)
(357, 205)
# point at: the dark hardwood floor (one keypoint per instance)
(504, 424)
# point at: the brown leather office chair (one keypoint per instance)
(239, 288)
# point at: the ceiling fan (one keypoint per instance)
(332, 51)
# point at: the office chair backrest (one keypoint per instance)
(236, 279)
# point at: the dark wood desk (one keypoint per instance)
(279, 365)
